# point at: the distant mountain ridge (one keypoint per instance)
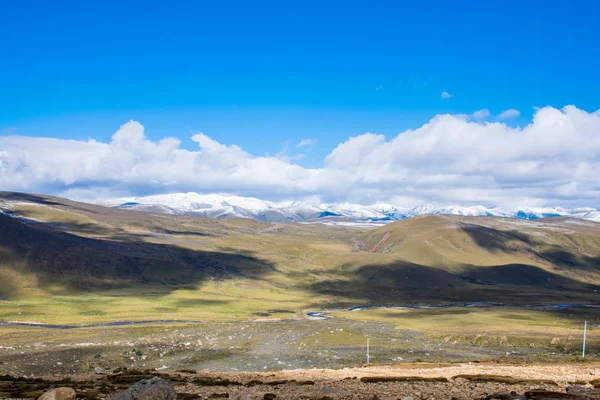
(227, 206)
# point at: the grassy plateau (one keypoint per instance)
(70, 263)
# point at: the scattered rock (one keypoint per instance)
(588, 393)
(504, 379)
(148, 389)
(548, 395)
(61, 393)
(269, 396)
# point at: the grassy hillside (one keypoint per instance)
(561, 247)
(63, 260)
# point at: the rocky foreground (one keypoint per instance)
(406, 382)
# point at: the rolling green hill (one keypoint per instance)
(566, 248)
(117, 262)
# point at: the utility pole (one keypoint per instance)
(584, 333)
(368, 354)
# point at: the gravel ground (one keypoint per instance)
(234, 346)
(419, 381)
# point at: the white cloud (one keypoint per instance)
(306, 142)
(507, 114)
(446, 95)
(555, 160)
(481, 114)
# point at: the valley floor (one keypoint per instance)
(263, 344)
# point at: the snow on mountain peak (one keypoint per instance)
(230, 206)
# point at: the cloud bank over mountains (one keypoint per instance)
(555, 160)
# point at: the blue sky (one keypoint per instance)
(248, 72)
(263, 75)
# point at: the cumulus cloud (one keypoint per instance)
(507, 114)
(555, 160)
(446, 95)
(306, 142)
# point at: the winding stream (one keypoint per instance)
(324, 314)
(317, 315)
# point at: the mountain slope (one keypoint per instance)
(562, 245)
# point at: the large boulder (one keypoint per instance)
(61, 393)
(148, 389)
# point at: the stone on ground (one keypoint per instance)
(148, 389)
(61, 393)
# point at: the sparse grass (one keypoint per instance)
(506, 327)
(234, 300)
(497, 320)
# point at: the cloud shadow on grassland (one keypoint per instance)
(493, 239)
(498, 240)
(60, 259)
(405, 283)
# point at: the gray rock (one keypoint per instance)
(61, 393)
(584, 392)
(148, 389)
(540, 394)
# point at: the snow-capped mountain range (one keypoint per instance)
(227, 206)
